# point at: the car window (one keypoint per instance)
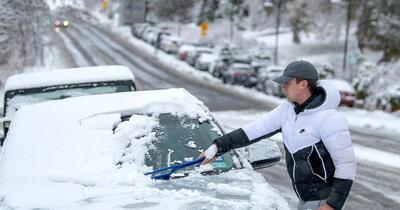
(16, 98)
(181, 139)
(241, 69)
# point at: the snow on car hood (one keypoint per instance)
(68, 156)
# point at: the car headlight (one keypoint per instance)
(66, 23)
(57, 22)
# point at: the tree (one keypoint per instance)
(174, 9)
(23, 25)
(300, 17)
(379, 28)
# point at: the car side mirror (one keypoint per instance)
(2, 136)
(4, 124)
(263, 154)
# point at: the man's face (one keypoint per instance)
(294, 90)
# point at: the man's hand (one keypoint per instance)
(326, 207)
(209, 154)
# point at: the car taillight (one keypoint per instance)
(183, 55)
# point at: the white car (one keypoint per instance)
(170, 44)
(92, 152)
(35, 87)
(204, 61)
(183, 50)
(265, 83)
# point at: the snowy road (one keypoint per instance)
(376, 186)
(99, 48)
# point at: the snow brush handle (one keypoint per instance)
(174, 168)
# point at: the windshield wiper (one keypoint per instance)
(165, 173)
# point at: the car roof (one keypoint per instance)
(241, 65)
(275, 67)
(68, 76)
(342, 85)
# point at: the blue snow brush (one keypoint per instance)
(165, 173)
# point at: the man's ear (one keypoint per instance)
(304, 84)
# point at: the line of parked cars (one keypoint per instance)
(234, 65)
(230, 63)
(88, 133)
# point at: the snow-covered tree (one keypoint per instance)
(379, 27)
(23, 25)
(175, 9)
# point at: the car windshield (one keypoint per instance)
(14, 99)
(181, 139)
(276, 71)
(241, 68)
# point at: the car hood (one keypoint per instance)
(236, 189)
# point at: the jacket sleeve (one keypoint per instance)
(264, 127)
(336, 137)
(268, 124)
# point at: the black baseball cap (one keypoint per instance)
(298, 69)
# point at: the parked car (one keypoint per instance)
(239, 73)
(267, 73)
(150, 35)
(29, 88)
(224, 50)
(194, 54)
(183, 50)
(92, 152)
(240, 56)
(218, 67)
(204, 61)
(260, 61)
(138, 29)
(170, 44)
(347, 92)
(270, 87)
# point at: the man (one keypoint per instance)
(319, 155)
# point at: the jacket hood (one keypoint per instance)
(328, 97)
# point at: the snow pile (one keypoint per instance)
(55, 4)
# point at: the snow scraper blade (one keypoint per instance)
(165, 173)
